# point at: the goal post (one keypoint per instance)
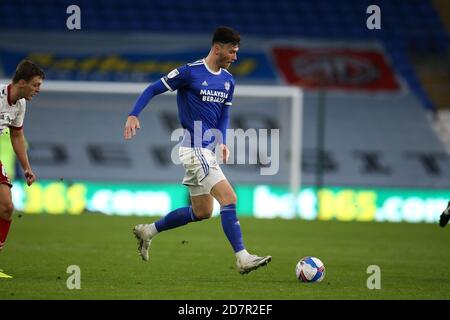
(266, 92)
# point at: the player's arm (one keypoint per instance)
(224, 122)
(132, 123)
(223, 125)
(19, 145)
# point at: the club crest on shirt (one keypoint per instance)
(173, 74)
(227, 85)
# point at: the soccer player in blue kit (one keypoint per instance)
(205, 93)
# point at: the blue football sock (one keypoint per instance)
(176, 218)
(231, 227)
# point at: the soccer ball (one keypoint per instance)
(310, 269)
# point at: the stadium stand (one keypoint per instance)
(399, 148)
(407, 25)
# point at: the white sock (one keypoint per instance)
(242, 254)
(447, 210)
(153, 230)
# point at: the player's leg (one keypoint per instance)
(174, 219)
(6, 211)
(445, 216)
(203, 206)
(225, 195)
(202, 203)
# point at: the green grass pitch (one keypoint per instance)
(196, 261)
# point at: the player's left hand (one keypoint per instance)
(29, 175)
(225, 152)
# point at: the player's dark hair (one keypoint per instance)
(226, 35)
(27, 70)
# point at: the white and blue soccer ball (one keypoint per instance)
(310, 269)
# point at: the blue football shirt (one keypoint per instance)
(202, 95)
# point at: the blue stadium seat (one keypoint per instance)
(325, 18)
(405, 23)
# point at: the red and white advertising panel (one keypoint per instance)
(335, 68)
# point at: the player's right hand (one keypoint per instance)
(131, 126)
(29, 176)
